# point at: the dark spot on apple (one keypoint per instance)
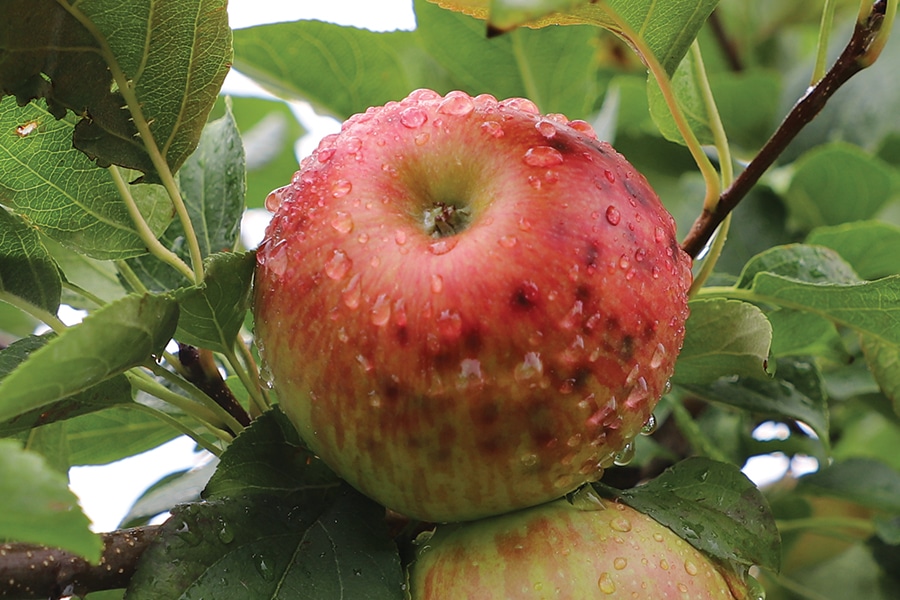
(580, 376)
(391, 392)
(402, 335)
(649, 331)
(591, 254)
(487, 414)
(635, 192)
(583, 293)
(626, 350)
(561, 144)
(472, 340)
(525, 296)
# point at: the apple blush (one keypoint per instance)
(467, 307)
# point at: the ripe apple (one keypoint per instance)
(467, 307)
(592, 549)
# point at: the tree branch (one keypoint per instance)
(30, 571)
(850, 62)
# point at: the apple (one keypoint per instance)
(591, 548)
(466, 307)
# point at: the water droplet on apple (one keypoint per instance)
(338, 265)
(381, 311)
(422, 138)
(277, 258)
(353, 144)
(529, 460)
(341, 188)
(658, 356)
(457, 103)
(640, 254)
(650, 425)
(437, 284)
(612, 215)
(691, 568)
(610, 176)
(543, 156)
(583, 127)
(492, 128)
(352, 292)
(365, 363)
(620, 524)
(664, 564)
(524, 224)
(449, 325)
(546, 128)
(442, 246)
(605, 583)
(522, 104)
(530, 367)
(400, 237)
(276, 198)
(573, 317)
(508, 241)
(624, 262)
(342, 222)
(638, 394)
(624, 456)
(413, 117)
(535, 182)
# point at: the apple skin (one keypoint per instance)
(467, 308)
(595, 549)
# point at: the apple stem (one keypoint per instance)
(855, 57)
(444, 220)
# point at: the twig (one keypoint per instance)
(851, 61)
(31, 571)
(729, 48)
(202, 372)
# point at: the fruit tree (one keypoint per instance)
(524, 327)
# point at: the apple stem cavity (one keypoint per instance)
(445, 220)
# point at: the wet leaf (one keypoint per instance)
(870, 247)
(884, 362)
(713, 506)
(723, 337)
(64, 194)
(109, 341)
(27, 270)
(799, 262)
(797, 333)
(36, 505)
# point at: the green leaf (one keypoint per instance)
(796, 393)
(884, 362)
(279, 522)
(173, 489)
(64, 194)
(864, 481)
(837, 183)
(797, 333)
(713, 506)
(109, 341)
(100, 278)
(870, 247)
(212, 183)
(173, 56)
(212, 313)
(810, 264)
(103, 395)
(688, 88)
(37, 507)
(27, 270)
(723, 337)
(748, 105)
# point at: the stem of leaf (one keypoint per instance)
(244, 376)
(131, 277)
(126, 88)
(707, 170)
(252, 367)
(176, 424)
(692, 433)
(147, 236)
(824, 36)
(45, 316)
(141, 381)
(83, 293)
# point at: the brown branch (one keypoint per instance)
(726, 43)
(202, 372)
(30, 571)
(850, 62)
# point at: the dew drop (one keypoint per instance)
(437, 284)
(530, 367)
(535, 182)
(524, 224)
(276, 258)
(492, 128)
(658, 537)
(442, 246)
(449, 325)
(400, 313)
(508, 241)
(338, 265)
(275, 198)
(640, 254)
(523, 104)
(625, 455)
(351, 293)
(691, 568)
(664, 564)
(225, 533)
(323, 155)
(619, 563)
(682, 588)
(400, 237)
(381, 311)
(457, 103)
(610, 176)
(574, 316)
(264, 566)
(620, 524)
(583, 127)
(341, 188)
(422, 138)
(545, 128)
(650, 425)
(543, 156)
(413, 117)
(606, 584)
(658, 356)
(342, 222)
(659, 235)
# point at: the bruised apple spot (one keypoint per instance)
(525, 296)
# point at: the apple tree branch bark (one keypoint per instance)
(31, 571)
(855, 57)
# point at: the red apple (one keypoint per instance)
(467, 307)
(592, 549)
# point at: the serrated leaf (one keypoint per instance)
(884, 362)
(713, 506)
(173, 56)
(211, 314)
(796, 393)
(837, 183)
(27, 270)
(108, 342)
(668, 28)
(870, 247)
(268, 457)
(98, 397)
(723, 337)
(36, 505)
(64, 194)
(864, 481)
(797, 333)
